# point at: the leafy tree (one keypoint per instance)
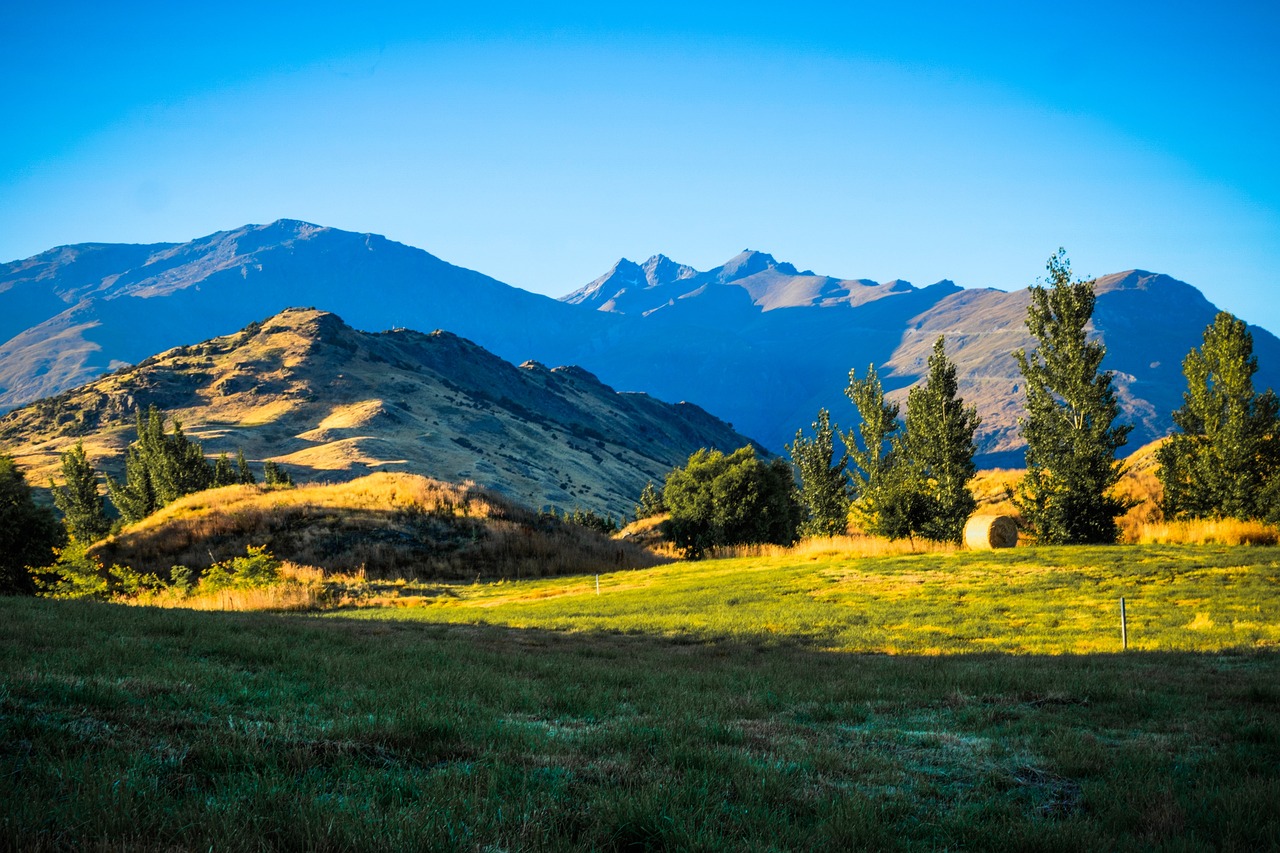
(28, 533)
(159, 469)
(824, 481)
(731, 500)
(1223, 462)
(650, 502)
(1070, 430)
(274, 475)
(938, 444)
(877, 488)
(83, 509)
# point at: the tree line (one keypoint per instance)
(160, 467)
(909, 478)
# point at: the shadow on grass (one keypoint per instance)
(145, 728)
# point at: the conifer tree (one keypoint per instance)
(1224, 460)
(274, 475)
(938, 443)
(83, 509)
(1070, 430)
(824, 481)
(28, 532)
(223, 473)
(159, 469)
(243, 475)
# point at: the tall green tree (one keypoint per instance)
(938, 443)
(1224, 460)
(159, 468)
(824, 480)
(730, 500)
(28, 532)
(1070, 425)
(883, 491)
(83, 508)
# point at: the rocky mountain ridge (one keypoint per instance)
(755, 341)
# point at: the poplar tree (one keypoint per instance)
(824, 483)
(1072, 438)
(938, 444)
(83, 508)
(886, 500)
(1223, 462)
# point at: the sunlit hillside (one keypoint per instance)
(385, 525)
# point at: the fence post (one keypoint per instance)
(1124, 628)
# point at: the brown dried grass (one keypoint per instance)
(388, 525)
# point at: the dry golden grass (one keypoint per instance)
(388, 525)
(1206, 532)
(842, 547)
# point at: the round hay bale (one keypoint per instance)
(985, 532)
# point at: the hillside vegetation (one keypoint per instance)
(325, 401)
(384, 525)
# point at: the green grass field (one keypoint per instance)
(920, 702)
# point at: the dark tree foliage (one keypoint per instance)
(83, 508)
(737, 499)
(223, 473)
(28, 533)
(650, 502)
(879, 481)
(243, 475)
(159, 469)
(605, 524)
(938, 444)
(1223, 461)
(824, 481)
(274, 475)
(1070, 430)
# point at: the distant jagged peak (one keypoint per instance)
(750, 262)
(660, 270)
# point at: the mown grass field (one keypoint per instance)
(961, 701)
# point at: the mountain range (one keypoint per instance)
(754, 341)
(327, 401)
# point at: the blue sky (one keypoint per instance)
(923, 141)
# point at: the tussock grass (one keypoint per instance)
(386, 525)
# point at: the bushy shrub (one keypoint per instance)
(257, 569)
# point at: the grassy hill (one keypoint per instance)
(383, 525)
(721, 706)
(328, 402)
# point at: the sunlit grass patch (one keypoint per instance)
(1040, 601)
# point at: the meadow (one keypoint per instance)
(811, 700)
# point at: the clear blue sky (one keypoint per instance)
(538, 145)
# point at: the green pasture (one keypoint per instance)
(920, 702)
(1023, 601)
